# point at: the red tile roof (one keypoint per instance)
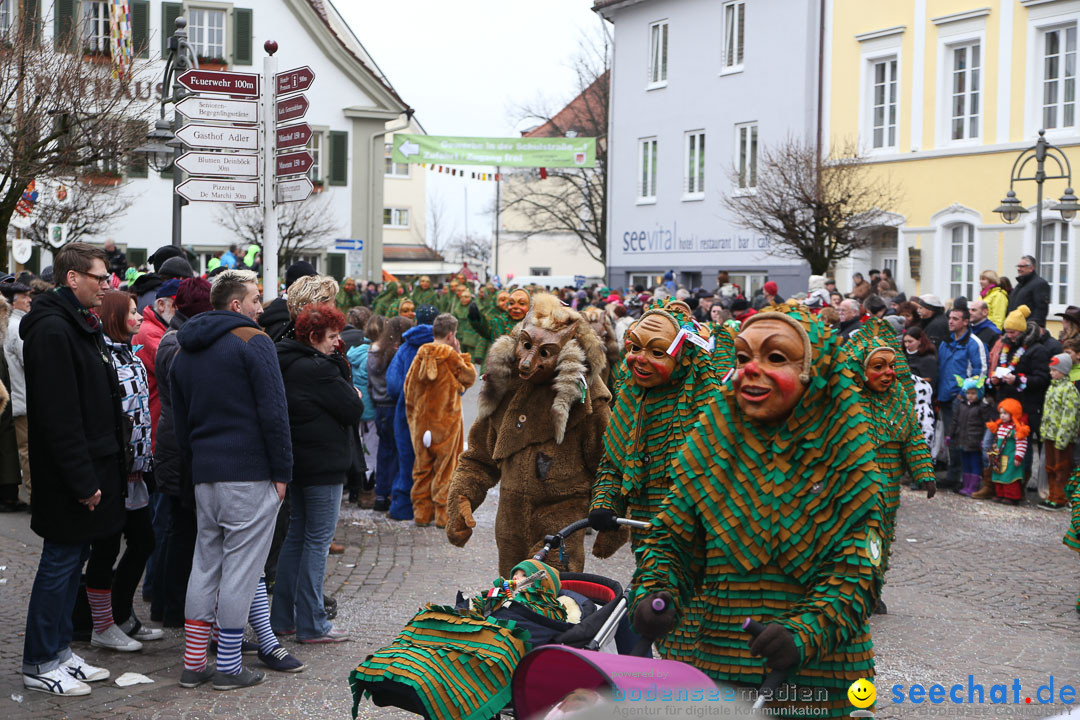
(580, 114)
(410, 252)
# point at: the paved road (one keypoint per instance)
(973, 588)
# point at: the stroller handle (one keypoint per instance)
(556, 540)
(774, 679)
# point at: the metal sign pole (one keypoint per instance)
(270, 227)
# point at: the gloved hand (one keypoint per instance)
(474, 312)
(777, 645)
(651, 624)
(931, 489)
(608, 541)
(602, 519)
(459, 521)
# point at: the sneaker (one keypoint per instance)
(134, 629)
(279, 659)
(245, 678)
(382, 504)
(333, 636)
(113, 638)
(195, 678)
(1047, 505)
(79, 669)
(247, 647)
(55, 682)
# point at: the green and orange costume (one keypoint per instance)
(1072, 535)
(779, 523)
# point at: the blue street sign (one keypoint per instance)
(349, 244)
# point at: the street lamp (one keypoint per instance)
(162, 149)
(1011, 209)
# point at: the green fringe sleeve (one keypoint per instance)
(916, 456)
(606, 487)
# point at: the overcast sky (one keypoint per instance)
(466, 66)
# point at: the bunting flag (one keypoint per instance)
(461, 173)
(120, 37)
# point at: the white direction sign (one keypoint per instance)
(294, 190)
(220, 164)
(220, 137)
(221, 191)
(202, 107)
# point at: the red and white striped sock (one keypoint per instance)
(215, 632)
(196, 641)
(100, 608)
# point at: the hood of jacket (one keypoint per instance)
(53, 304)
(146, 283)
(203, 330)
(419, 335)
(276, 312)
(290, 351)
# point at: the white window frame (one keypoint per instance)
(396, 218)
(969, 271)
(194, 28)
(1063, 258)
(1062, 82)
(747, 134)
(875, 47)
(948, 42)
(943, 222)
(872, 63)
(95, 34)
(1042, 18)
(7, 15)
(659, 58)
(694, 160)
(737, 45)
(646, 169)
(316, 146)
(391, 168)
(974, 79)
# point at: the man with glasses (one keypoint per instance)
(1030, 290)
(77, 450)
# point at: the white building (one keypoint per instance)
(353, 107)
(697, 89)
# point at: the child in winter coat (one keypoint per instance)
(433, 388)
(1061, 419)
(1007, 454)
(971, 412)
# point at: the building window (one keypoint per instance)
(540, 271)
(962, 261)
(746, 149)
(658, 47)
(396, 218)
(206, 30)
(315, 148)
(694, 182)
(95, 27)
(734, 32)
(966, 79)
(1053, 261)
(5, 16)
(883, 109)
(1059, 78)
(393, 169)
(647, 163)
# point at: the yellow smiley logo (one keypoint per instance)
(862, 693)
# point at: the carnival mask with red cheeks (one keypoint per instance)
(770, 356)
(646, 351)
(881, 370)
(425, 282)
(518, 305)
(538, 351)
(407, 309)
(502, 300)
(465, 296)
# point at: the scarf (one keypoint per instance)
(542, 597)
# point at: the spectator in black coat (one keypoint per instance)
(77, 450)
(921, 356)
(275, 319)
(1030, 290)
(932, 318)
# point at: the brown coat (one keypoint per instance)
(437, 378)
(543, 457)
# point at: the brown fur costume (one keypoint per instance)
(543, 442)
(604, 329)
(433, 388)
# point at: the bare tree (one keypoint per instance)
(302, 226)
(62, 114)
(89, 212)
(439, 225)
(571, 201)
(820, 211)
(471, 248)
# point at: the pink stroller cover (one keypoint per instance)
(551, 672)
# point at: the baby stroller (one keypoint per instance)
(419, 675)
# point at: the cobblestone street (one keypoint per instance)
(974, 588)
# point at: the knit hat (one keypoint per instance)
(740, 305)
(1062, 363)
(929, 301)
(298, 270)
(168, 289)
(771, 288)
(426, 314)
(176, 267)
(193, 296)
(164, 253)
(1017, 319)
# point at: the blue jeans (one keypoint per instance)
(160, 509)
(298, 591)
(52, 600)
(386, 461)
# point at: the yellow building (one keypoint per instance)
(943, 95)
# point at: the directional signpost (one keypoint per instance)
(296, 80)
(199, 107)
(294, 190)
(219, 137)
(292, 108)
(296, 163)
(220, 164)
(222, 191)
(293, 136)
(226, 83)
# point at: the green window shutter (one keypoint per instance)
(169, 12)
(242, 36)
(140, 27)
(335, 266)
(136, 257)
(339, 158)
(63, 24)
(31, 19)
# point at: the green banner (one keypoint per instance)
(504, 152)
